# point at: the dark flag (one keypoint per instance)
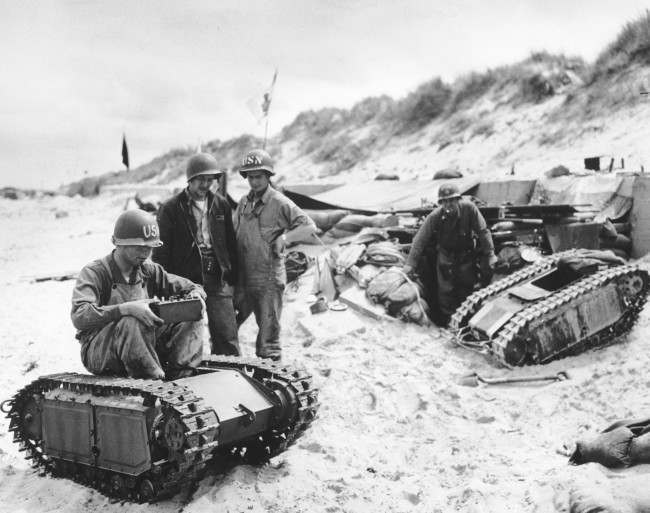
(125, 152)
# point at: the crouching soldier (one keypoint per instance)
(119, 333)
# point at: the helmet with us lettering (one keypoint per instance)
(136, 228)
(256, 160)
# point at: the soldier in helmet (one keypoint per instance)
(197, 230)
(265, 221)
(453, 227)
(119, 333)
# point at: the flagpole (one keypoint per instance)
(266, 131)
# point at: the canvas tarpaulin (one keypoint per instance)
(609, 196)
(383, 196)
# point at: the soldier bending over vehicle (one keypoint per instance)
(453, 226)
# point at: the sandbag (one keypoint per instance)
(348, 256)
(619, 494)
(620, 253)
(417, 312)
(587, 261)
(383, 284)
(608, 231)
(384, 253)
(618, 242)
(363, 275)
(640, 449)
(509, 259)
(326, 219)
(503, 226)
(353, 223)
(445, 174)
(402, 296)
(557, 171)
(610, 449)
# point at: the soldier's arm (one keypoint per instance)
(479, 226)
(162, 254)
(86, 298)
(168, 284)
(297, 224)
(425, 234)
(231, 240)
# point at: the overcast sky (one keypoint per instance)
(77, 74)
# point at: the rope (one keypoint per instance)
(415, 287)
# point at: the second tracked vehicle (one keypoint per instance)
(562, 305)
(143, 440)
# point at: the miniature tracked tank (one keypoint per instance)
(144, 439)
(549, 310)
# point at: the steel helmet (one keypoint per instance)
(448, 191)
(256, 160)
(201, 164)
(136, 228)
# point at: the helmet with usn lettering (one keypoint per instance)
(257, 160)
(136, 228)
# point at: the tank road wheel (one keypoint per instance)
(288, 402)
(631, 285)
(31, 417)
(146, 491)
(117, 486)
(173, 434)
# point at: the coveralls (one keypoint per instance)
(201, 246)
(258, 223)
(113, 344)
(454, 235)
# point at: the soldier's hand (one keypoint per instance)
(198, 293)
(492, 261)
(408, 270)
(141, 311)
(279, 244)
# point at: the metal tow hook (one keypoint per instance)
(474, 379)
(5, 406)
(250, 415)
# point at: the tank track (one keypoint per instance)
(573, 295)
(297, 388)
(186, 425)
(474, 301)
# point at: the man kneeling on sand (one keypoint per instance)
(119, 333)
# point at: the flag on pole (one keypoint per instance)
(260, 107)
(125, 152)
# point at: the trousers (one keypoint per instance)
(129, 348)
(266, 304)
(456, 280)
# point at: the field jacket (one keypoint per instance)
(92, 291)
(180, 252)
(454, 235)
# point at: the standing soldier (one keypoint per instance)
(265, 221)
(199, 243)
(119, 333)
(453, 227)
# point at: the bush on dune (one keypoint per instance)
(422, 106)
(631, 45)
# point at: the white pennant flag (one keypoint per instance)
(259, 107)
